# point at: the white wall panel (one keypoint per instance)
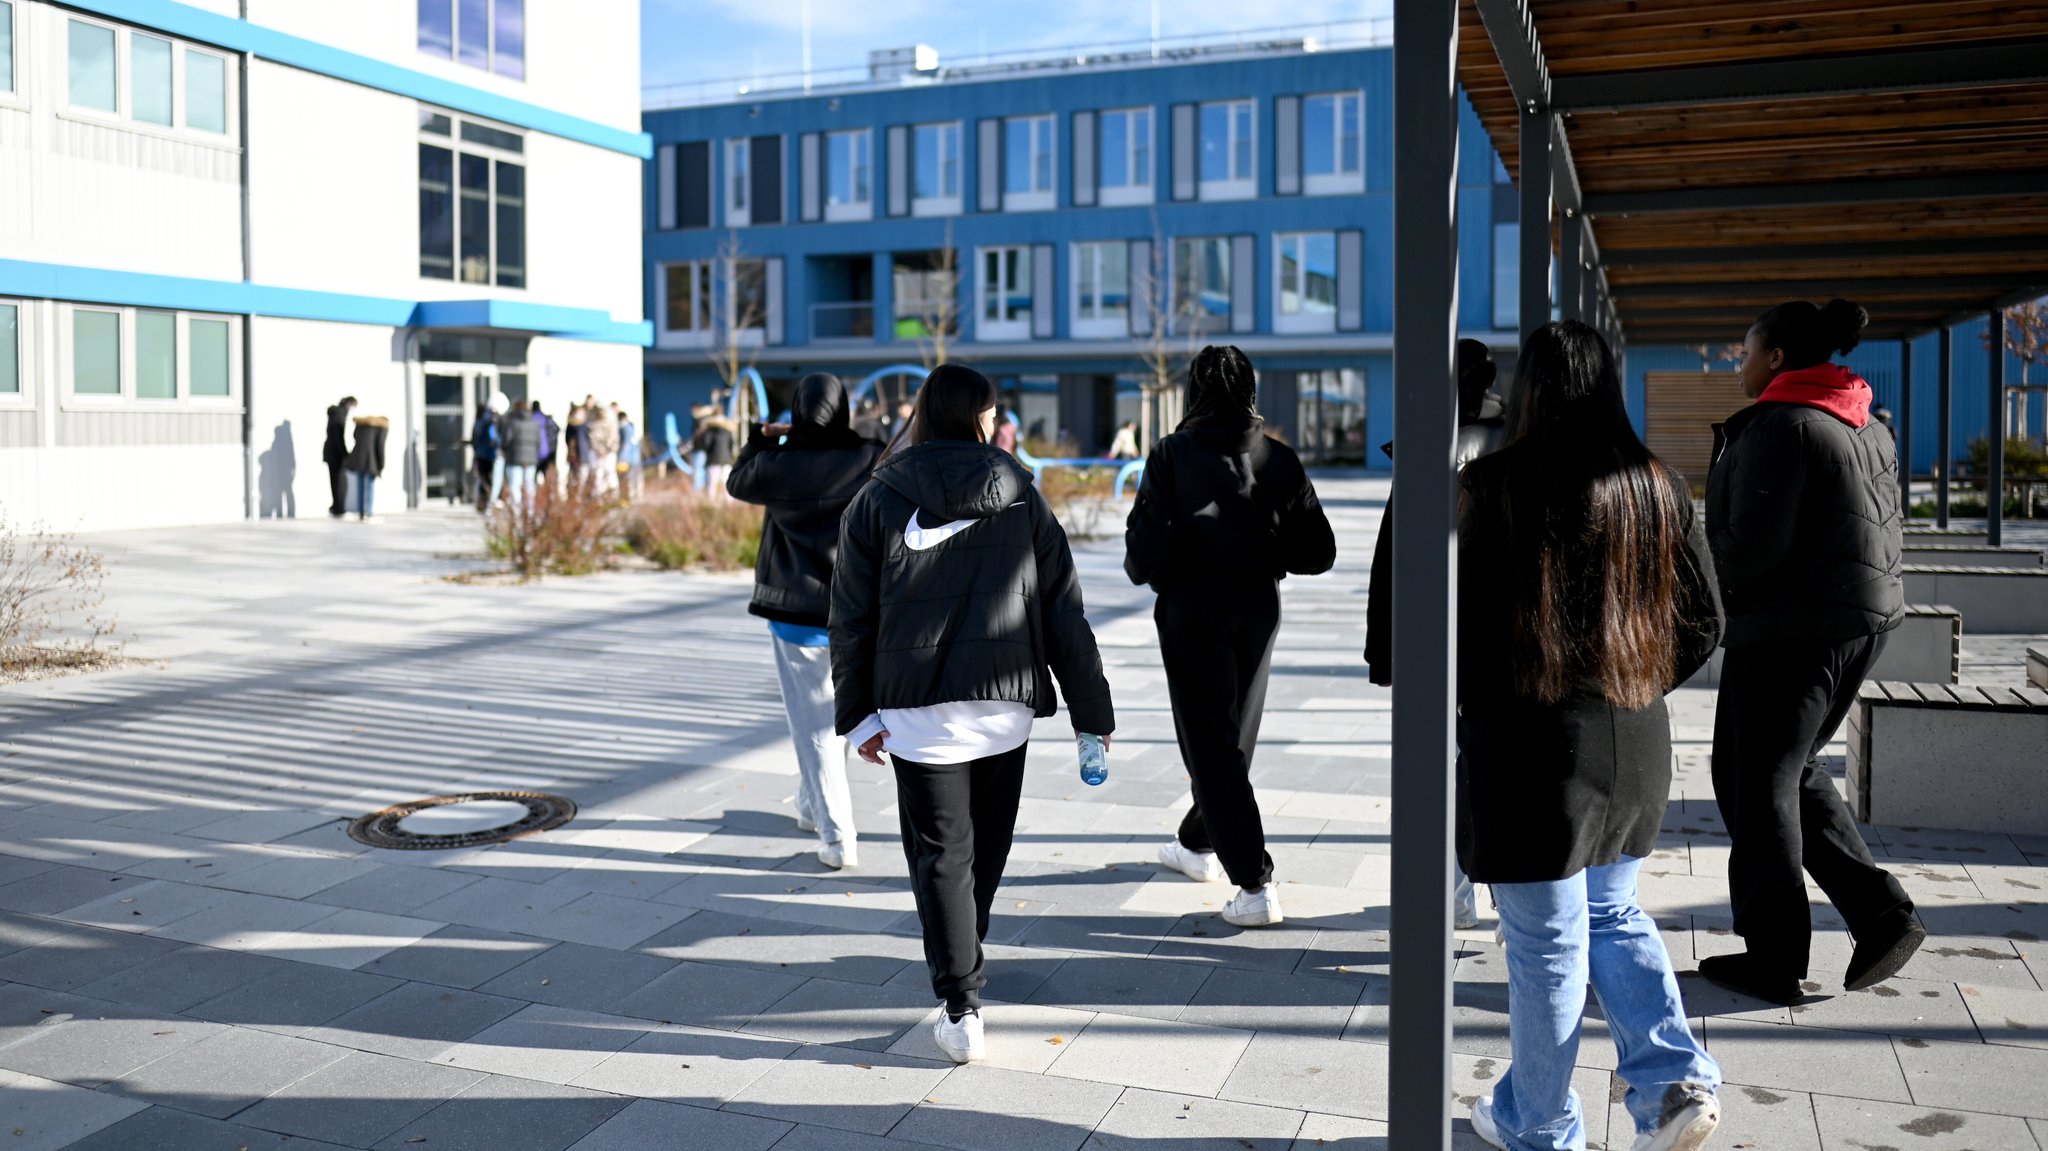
(582, 229)
(103, 488)
(301, 366)
(562, 372)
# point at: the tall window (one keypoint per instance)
(10, 349)
(1507, 276)
(149, 78)
(92, 66)
(935, 184)
(1229, 150)
(487, 34)
(144, 355)
(687, 293)
(472, 202)
(169, 84)
(848, 191)
(1027, 162)
(697, 299)
(1305, 299)
(6, 46)
(737, 174)
(95, 352)
(1126, 156)
(1005, 291)
(1201, 283)
(156, 355)
(1333, 143)
(1102, 289)
(206, 91)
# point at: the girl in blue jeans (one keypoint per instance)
(1585, 593)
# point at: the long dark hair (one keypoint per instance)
(1592, 526)
(1808, 335)
(950, 403)
(1221, 384)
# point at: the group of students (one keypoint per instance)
(923, 603)
(517, 448)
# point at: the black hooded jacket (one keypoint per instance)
(992, 612)
(334, 452)
(805, 483)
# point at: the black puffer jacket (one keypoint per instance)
(1803, 516)
(805, 484)
(521, 439)
(992, 613)
(1221, 497)
(367, 456)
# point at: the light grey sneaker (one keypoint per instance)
(1200, 866)
(839, 856)
(1483, 1125)
(961, 1040)
(1259, 908)
(1691, 1113)
(806, 823)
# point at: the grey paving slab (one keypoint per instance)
(243, 921)
(1970, 1076)
(26, 1011)
(1920, 1008)
(88, 1051)
(805, 1137)
(51, 891)
(1158, 988)
(707, 995)
(1862, 1123)
(844, 1014)
(578, 975)
(1154, 1053)
(608, 920)
(651, 1125)
(259, 826)
(415, 1020)
(394, 888)
(504, 904)
(1207, 940)
(2008, 1015)
(168, 1129)
(41, 1115)
(1252, 1000)
(458, 956)
(1328, 1075)
(182, 978)
(835, 1087)
(1142, 1120)
(359, 1098)
(1760, 1116)
(293, 997)
(506, 1114)
(1020, 1036)
(693, 1065)
(225, 1072)
(348, 938)
(143, 906)
(1805, 1059)
(992, 1109)
(75, 956)
(555, 1044)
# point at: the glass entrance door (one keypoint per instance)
(455, 394)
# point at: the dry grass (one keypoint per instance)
(563, 535)
(693, 532)
(1080, 497)
(52, 606)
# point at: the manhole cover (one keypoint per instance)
(474, 819)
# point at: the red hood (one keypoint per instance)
(1832, 388)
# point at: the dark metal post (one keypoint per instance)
(1571, 258)
(1425, 568)
(1535, 219)
(1944, 465)
(1994, 435)
(1905, 426)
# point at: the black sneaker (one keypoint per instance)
(1885, 950)
(1739, 973)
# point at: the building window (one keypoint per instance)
(1229, 151)
(95, 353)
(1333, 143)
(1005, 291)
(487, 34)
(1126, 168)
(1305, 297)
(1507, 276)
(687, 289)
(207, 359)
(935, 182)
(737, 214)
(156, 355)
(6, 46)
(10, 349)
(169, 84)
(1027, 163)
(146, 357)
(1102, 290)
(698, 302)
(1201, 284)
(849, 193)
(472, 202)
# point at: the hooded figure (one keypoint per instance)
(1224, 513)
(366, 460)
(334, 453)
(954, 607)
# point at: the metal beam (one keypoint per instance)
(1926, 69)
(1845, 250)
(1425, 569)
(1538, 130)
(1512, 29)
(1944, 465)
(1904, 423)
(1994, 435)
(2026, 295)
(1742, 197)
(1928, 287)
(1571, 258)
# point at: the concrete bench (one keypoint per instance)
(1970, 555)
(1926, 647)
(1948, 757)
(2037, 666)
(1928, 533)
(1994, 601)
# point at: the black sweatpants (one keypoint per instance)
(338, 487)
(1779, 705)
(957, 822)
(1216, 640)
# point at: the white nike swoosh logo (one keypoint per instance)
(918, 538)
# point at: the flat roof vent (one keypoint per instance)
(898, 63)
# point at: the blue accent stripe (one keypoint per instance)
(142, 290)
(283, 48)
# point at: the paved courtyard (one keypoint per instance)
(193, 955)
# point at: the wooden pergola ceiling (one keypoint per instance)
(1731, 154)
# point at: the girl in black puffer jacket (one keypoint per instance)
(954, 607)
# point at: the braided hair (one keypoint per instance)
(1221, 383)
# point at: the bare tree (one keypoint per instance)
(2026, 339)
(937, 309)
(1171, 340)
(739, 306)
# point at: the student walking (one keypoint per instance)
(603, 432)
(718, 440)
(334, 453)
(632, 459)
(550, 434)
(1803, 512)
(1224, 513)
(521, 439)
(1585, 594)
(954, 607)
(805, 482)
(485, 443)
(366, 460)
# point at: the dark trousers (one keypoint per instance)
(1779, 705)
(957, 822)
(1216, 641)
(337, 486)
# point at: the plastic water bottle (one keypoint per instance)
(1094, 759)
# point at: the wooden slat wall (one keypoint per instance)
(1680, 410)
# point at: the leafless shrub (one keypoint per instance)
(52, 606)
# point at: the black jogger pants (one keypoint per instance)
(1779, 705)
(1216, 640)
(337, 486)
(957, 822)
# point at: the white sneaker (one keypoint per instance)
(839, 856)
(1259, 908)
(1686, 1125)
(1200, 866)
(961, 1041)
(1483, 1125)
(806, 823)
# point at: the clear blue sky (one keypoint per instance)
(702, 40)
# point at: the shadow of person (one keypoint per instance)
(275, 470)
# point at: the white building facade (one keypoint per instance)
(217, 218)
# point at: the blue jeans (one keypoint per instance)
(519, 487)
(366, 494)
(1557, 935)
